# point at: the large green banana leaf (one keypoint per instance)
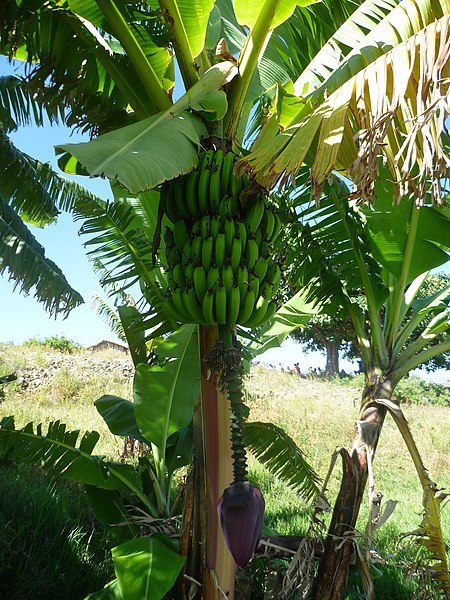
(147, 567)
(165, 396)
(404, 252)
(161, 147)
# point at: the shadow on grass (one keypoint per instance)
(50, 545)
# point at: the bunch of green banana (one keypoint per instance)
(218, 255)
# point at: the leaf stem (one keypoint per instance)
(138, 59)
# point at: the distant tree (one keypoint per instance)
(333, 335)
(325, 333)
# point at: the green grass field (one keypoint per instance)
(318, 414)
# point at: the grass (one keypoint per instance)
(50, 545)
(319, 415)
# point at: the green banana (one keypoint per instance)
(271, 310)
(169, 308)
(192, 305)
(205, 226)
(173, 256)
(235, 254)
(253, 282)
(207, 253)
(192, 194)
(229, 230)
(247, 306)
(180, 197)
(169, 239)
(196, 227)
(189, 273)
(265, 249)
(268, 223)
(199, 282)
(227, 173)
(227, 277)
(273, 275)
(180, 234)
(179, 275)
(203, 191)
(276, 228)
(254, 215)
(208, 308)
(219, 250)
(216, 164)
(266, 290)
(260, 268)
(215, 226)
(214, 191)
(168, 201)
(258, 315)
(171, 282)
(196, 250)
(241, 233)
(236, 186)
(258, 238)
(186, 254)
(251, 253)
(224, 208)
(242, 279)
(220, 301)
(205, 159)
(177, 297)
(212, 277)
(233, 305)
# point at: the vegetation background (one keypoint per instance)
(68, 554)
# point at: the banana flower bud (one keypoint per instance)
(241, 513)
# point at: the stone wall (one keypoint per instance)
(40, 367)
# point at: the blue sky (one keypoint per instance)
(24, 317)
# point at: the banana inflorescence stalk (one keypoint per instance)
(219, 246)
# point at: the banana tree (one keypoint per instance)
(333, 85)
(342, 253)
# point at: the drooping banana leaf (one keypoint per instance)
(381, 101)
(429, 534)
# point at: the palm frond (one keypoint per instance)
(33, 189)
(20, 106)
(323, 243)
(96, 70)
(275, 449)
(109, 316)
(117, 241)
(25, 261)
(56, 451)
(121, 241)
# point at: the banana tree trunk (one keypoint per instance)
(210, 560)
(331, 579)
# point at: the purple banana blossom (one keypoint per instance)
(241, 513)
